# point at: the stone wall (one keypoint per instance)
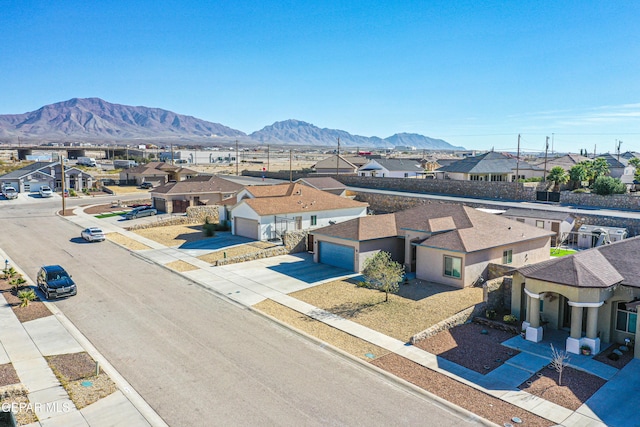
(499, 270)
(497, 293)
(176, 220)
(295, 241)
(614, 201)
(200, 213)
(459, 318)
(267, 253)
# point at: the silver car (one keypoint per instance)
(140, 212)
(45, 191)
(92, 234)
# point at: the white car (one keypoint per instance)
(92, 234)
(45, 191)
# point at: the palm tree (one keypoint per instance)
(558, 176)
(577, 174)
(599, 167)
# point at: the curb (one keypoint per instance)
(141, 405)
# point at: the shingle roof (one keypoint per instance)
(613, 161)
(26, 170)
(322, 183)
(293, 198)
(537, 213)
(393, 165)
(155, 168)
(490, 162)
(455, 227)
(566, 162)
(199, 184)
(333, 163)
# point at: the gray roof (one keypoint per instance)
(490, 162)
(394, 165)
(613, 161)
(322, 183)
(19, 173)
(538, 214)
(199, 185)
(599, 267)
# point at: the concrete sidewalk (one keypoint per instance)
(25, 346)
(274, 278)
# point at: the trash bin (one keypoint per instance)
(7, 419)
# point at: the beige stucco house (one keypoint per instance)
(157, 173)
(176, 197)
(490, 166)
(444, 243)
(593, 294)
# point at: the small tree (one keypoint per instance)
(26, 296)
(577, 174)
(383, 273)
(559, 360)
(558, 176)
(208, 228)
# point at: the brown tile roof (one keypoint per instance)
(363, 228)
(199, 184)
(292, 198)
(456, 227)
(599, 267)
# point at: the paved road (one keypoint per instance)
(196, 359)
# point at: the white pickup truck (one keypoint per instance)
(9, 192)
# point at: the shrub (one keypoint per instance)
(72, 193)
(209, 228)
(510, 319)
(26, 296)
(579, 190)
(605, 185)
(491, 314)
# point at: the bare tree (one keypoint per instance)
(559, 360)
(383, 273)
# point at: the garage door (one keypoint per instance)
(336, 255)
(246, 228)
(34, 186)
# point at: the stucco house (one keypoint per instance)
(338, 164)
(265, 212)
(203, 190)
(594, 295)
(566, 162)
(391, 168)
(444, 243)
(157, 173)
(31, 177)
(561, 223)
(324, 183)
(490, 166)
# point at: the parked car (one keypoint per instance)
(140, 212)
(9, 192)
(55, 282)
(92, 234)
(146, 185)
(45, 191)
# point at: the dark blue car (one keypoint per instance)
(55, 282)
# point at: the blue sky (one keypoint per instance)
(475, 73)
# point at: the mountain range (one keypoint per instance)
(93, 119)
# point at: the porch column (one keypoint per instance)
(592, 322)
(576, 321)
(575, 341)
(533, 331)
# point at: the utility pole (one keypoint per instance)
(267, 158)
(618, 149)
(290, 165)
(518, 166)
(236, 157)
(594, 151)
(171, 154)
(552, 138)
(546, 149)
(338, 159)
(63, 184)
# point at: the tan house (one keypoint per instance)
(265, 212)
(593, 294)
(339, 164)
(176, 197)
(444, 243)
(490, 166)
(157, 173)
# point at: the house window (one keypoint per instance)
(406, 174)
(539, 224)
(626, 318)
(475, 178)
(452, 266)
(507, 256)
(314, 220)
(520, 219)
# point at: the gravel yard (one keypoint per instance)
(246, 249)
(35, 310)
(173, 235)
(467, 346)
(181, 266)
(352, 345)
(626, 357)
(577, 386)
(486, 406)
(8, 375)
(77, 374)
(127, 242)
(416, 307)
(18, 399)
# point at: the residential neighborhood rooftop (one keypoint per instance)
(199, 184)
(537, 213)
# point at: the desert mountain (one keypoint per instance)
(95, 119)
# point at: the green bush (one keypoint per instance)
(605, 185)
(26, 296)
(510, 319)
(579, 190)
(491, 314)
(72, 193)
(209, 228)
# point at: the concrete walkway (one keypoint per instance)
(274, 278)
(25, 346)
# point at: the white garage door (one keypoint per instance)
(336, 255)
(34, 186)
(246, 228)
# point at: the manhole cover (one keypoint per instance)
(370, 355)
(86, 383)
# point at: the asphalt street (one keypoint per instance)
(195, 358)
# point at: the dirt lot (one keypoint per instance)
(173, 235)
(416, 307)
(127, 242)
